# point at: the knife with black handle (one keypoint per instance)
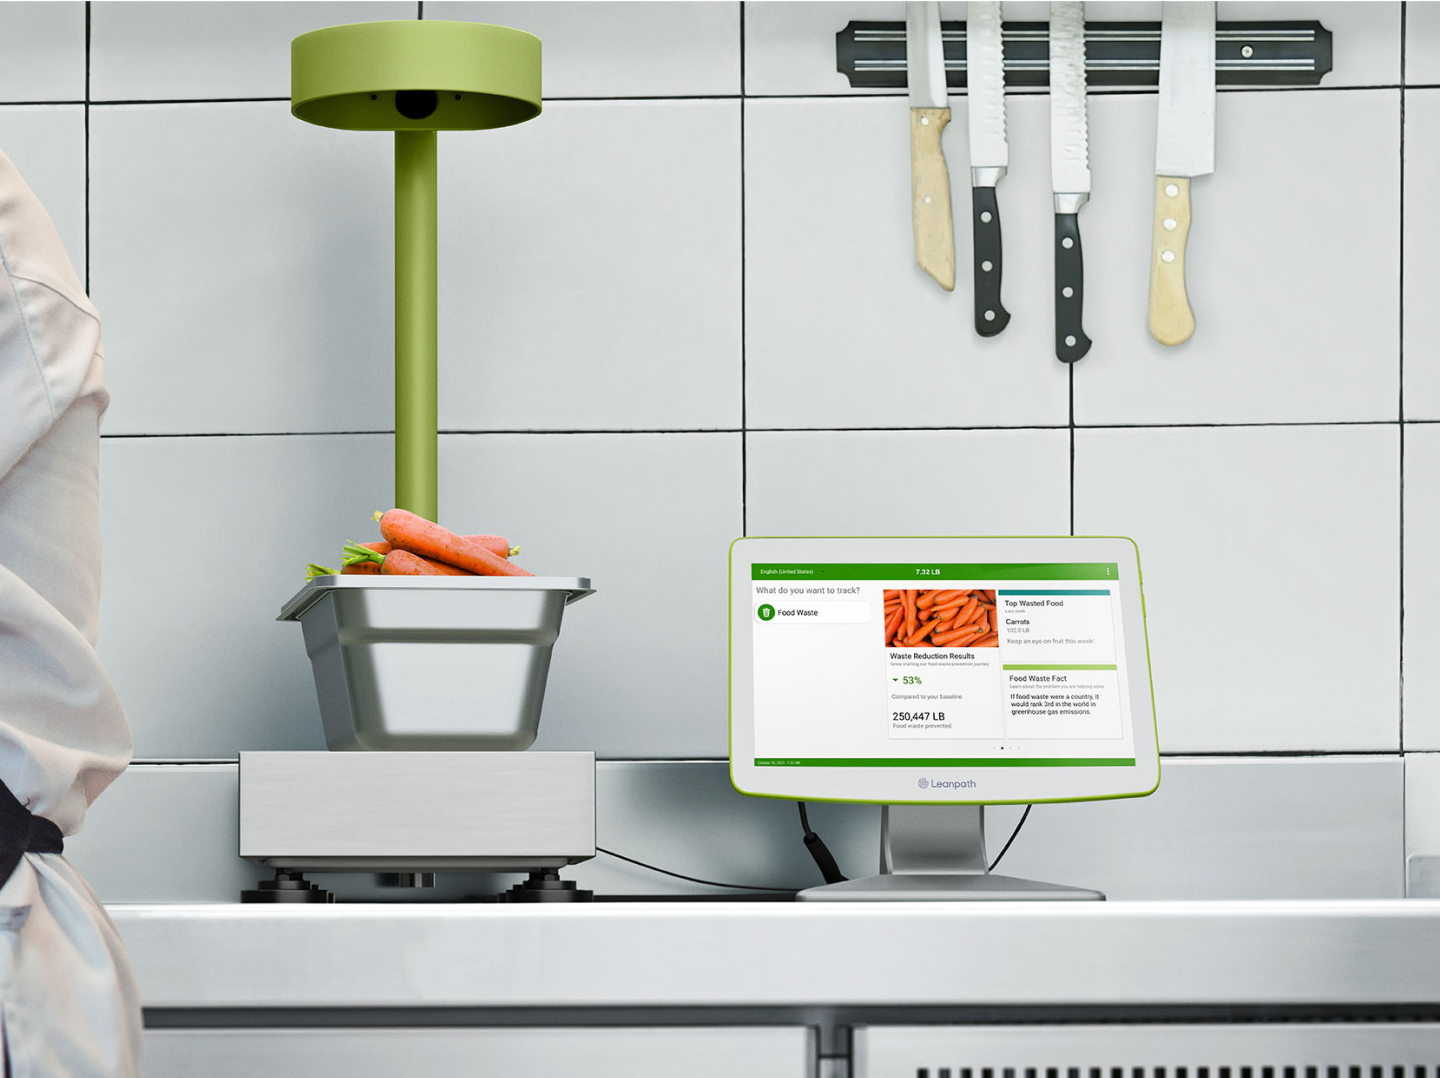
(1069, 173)
(1070, 340)
(989, 157)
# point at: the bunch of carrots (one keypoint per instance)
(940, 619)
(413, 546)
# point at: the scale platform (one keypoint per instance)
(413, 813)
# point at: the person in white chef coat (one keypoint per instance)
(69, 1006)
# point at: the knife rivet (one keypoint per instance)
(985, 216)
(1069, 342)
(1247, 52)
(927, 200)
(924, 121)
(1167, 256)
(986, 266)
(989, 316)
(1170, 223)
(1067, 243)
(1067, 291)
(1171, 190)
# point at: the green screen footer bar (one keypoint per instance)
(933, 761)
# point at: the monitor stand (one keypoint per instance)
(936, 853)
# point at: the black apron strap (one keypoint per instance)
(22, 832)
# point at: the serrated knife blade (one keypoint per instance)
(929, 113)
(1069, 173)
(989, 156)
(1184, 148)
(1069, 124)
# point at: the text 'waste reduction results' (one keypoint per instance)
(1011, 663)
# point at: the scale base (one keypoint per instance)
(545, 886)
(972, 887)
(936, 853)
(287, 887)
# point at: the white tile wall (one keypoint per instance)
(842, 328)
(992, 482)
(243, 264)
(42, 51)
(1422, 262)
(596, 278)
(1279, 268)
(1422, 803)
(590, 269)
(187, 620)
(1422, 587)
(790, 50)
(46, 143)
(622, 49)
(1271, 564)
(640, 668)
(178, 52)
(1422, 42)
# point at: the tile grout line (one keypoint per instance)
(87, 147)
(1237, 754)
(744, 415)
(1020, 428)
(731, 97)
(1404, 11)
(1072, 449)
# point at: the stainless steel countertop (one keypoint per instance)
(760, 954)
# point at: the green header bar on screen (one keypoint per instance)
(938, 571)
(939, 761)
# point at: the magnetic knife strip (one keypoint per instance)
(872, 54)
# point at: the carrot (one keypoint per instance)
(919, 634)
(993, 640)
(360, 568)
(496, 544)
(404, 563)
(424, 537)
(967, 614)
(908, 598)
(950, 638)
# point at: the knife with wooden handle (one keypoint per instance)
(1184, 147)
(929, 113)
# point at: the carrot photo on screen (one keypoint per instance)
(937, 618)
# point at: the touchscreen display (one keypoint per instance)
(973, 665)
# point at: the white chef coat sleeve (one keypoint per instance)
(69, 1007)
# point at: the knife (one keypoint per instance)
(1184, 147)
(929, 113)
(1069, 173)
(989, 156)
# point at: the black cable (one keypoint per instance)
(1013, 833)
(696, 879)
(824, 861)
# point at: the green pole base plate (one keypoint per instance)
(416, 75)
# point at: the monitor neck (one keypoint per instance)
(932, 840)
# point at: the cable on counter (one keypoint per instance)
(696, 879)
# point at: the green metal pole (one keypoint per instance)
(416, 440)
